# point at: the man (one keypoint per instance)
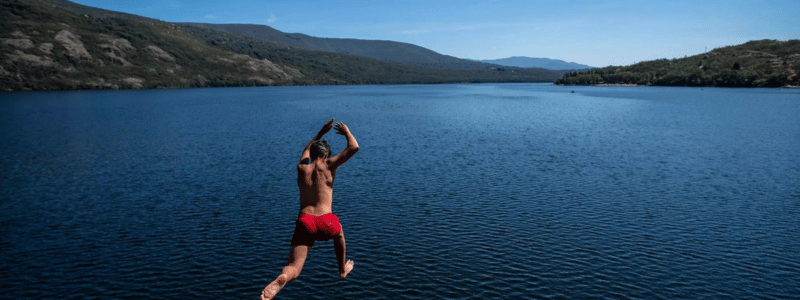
(316, 172)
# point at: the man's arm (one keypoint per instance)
(349, 151)
(307, 151)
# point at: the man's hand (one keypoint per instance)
(349, 151)
(327, 127)
(341, 128)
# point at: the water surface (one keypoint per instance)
(458, 192)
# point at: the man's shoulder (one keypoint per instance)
(308, 167)
(303, 168)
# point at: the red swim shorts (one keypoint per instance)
(310, 228)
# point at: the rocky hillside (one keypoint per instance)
(56, 44)
(320, 67)
(386, 51)
(765, 63)
(45, 47)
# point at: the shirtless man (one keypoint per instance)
(315, 175)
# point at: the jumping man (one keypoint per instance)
(316, 222)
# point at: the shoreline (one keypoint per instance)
(616, 84)
(692, 86)
(416, 83)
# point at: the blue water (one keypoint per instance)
(458, 192)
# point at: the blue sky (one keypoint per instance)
(595, 33)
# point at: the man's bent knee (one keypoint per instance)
(291, 272)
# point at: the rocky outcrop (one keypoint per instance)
(19, 34)
(198, 80)
(4, 73)
(31, 60)
(76, 52)
(159, 54)
(261, 80)
(133, 82)
(112, 55)
(116, 50)
(292, 72)
(47, 48)
(265, 71)
(19, 43)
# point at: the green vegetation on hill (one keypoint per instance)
(385, 51)
(56, 44)
(322, 67)
(764, 63)
(46, 47)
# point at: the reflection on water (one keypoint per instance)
(459, 191)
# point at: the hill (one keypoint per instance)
(764, 63)
(386, 51)
(533, 62)
(57, 44)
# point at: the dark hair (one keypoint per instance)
(318, 148)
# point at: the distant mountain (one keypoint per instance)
(57, 44)
(764, 63)
(532, 62)
(386, 51)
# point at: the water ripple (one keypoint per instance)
(530, 193)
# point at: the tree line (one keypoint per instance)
(764, 63)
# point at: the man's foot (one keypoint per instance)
(348, 266)
(273, 288)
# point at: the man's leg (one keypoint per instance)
(297, 257)
(339, 246)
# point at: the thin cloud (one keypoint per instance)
(272, 18)
(415, 31)
(437, 28)
(210, 17)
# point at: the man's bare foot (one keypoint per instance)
(273, 288)
(348, 266)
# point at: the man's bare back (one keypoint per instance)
(315, 181)
(316, 172)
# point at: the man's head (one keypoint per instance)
(320, 148)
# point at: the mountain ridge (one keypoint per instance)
(382, 50)
(537, 62)
(57, 44)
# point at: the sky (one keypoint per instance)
(594, 33)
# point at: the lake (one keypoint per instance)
(458, 192)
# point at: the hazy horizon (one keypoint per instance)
(589, 33)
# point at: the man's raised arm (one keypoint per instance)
(307, 151)
(349, 151)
